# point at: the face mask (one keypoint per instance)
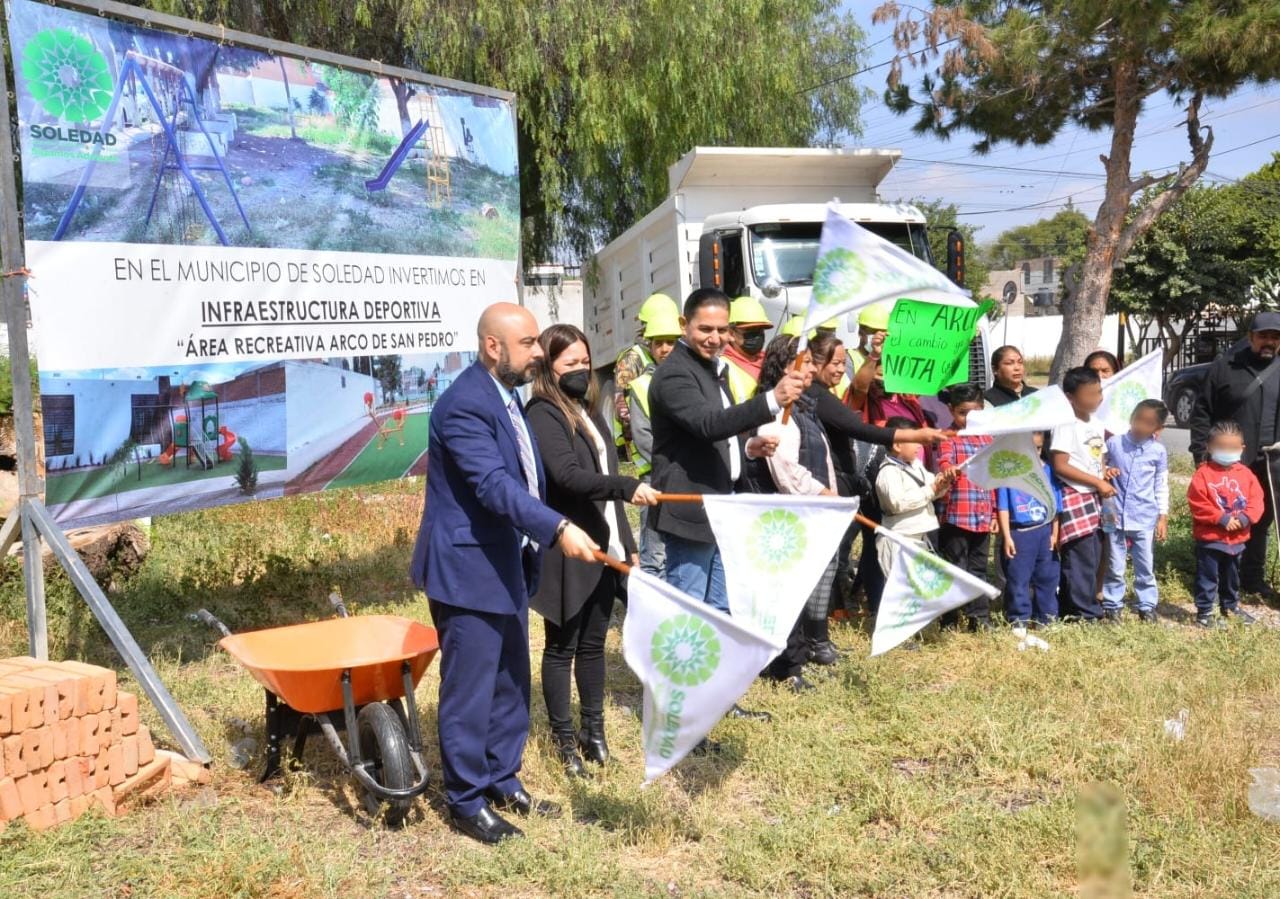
(752, 342)
(1225, 458)
(575, 383)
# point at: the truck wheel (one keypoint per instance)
(383, 744)
(1183, 405)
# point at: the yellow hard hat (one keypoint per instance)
(829, 325)
(655, 304)
(748, 311)
(794, 326)
(664, 324)
(876, 316)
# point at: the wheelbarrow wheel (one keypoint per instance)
(384, 746)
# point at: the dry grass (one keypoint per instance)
(950, 772)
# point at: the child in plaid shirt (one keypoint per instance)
(964, 535)
(1077, 454)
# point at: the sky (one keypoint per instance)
(1067, 168)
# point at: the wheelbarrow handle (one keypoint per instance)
(207, 617)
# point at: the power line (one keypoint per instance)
(863, 71)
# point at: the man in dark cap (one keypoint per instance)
(1243, 385)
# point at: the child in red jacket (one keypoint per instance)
(1226, 501)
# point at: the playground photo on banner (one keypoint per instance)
(129, 443)
(137, 135)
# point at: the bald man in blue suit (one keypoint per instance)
(478, 555)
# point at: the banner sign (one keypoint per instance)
(252, 274)
(927, 347)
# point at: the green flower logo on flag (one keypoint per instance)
(686, 650)
(776, 541)
(1125, 399)
(1019, 411)
(1008, 464)
(66, 75)
(928, 577)
(838, 277)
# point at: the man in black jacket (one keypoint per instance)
(697, 447)
(1243, 385)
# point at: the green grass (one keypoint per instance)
(954, 771)
(102, 481)
(392, 460)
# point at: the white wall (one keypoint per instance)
(323, 398)
(1040, 336)
(103, 412)
(568, 299)
(259, 421)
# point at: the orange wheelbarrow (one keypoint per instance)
(345, 674)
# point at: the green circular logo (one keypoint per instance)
(66, 75)
(686, 650)
(928, 577)
(776, 541)
(1019, 411)
(1008, 464)
(1125, 398)
(838, 277)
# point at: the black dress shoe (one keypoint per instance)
(592, 742)
(1208, 621)
(567, 752)
(821, 652)
(797, 684)
(522, 803)
(486, 826)
(706, 747)
(747, 714)
(1113, 615)
(1148, 615)
(1239, 614)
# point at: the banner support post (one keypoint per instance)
(29, 515)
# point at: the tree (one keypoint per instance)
(942, 220)
(1062, 236)
(1020, 71)
(609, 92)
(387, 370)
(247, 470)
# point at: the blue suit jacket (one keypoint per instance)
(478, 506)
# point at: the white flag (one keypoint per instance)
(919, 589)
(856, 268)
(774, 549)
(693, 661)
(1012, 461)
(1043, 410)
(1123, 391)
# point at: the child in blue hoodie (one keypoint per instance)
(1030, 559)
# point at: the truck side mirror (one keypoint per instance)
(771, 289)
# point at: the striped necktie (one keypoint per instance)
(527, 462)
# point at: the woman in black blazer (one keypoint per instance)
(576, 598)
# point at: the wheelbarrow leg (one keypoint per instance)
(300, 741)
(275, 734)
(411, 708)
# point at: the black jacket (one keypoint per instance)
(1002, 396)
(1222, 396)
(843, 425)
(578, 490)
(691, 446)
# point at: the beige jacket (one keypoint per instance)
(906, 497)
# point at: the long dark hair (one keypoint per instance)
(554, 341)
(779, 356)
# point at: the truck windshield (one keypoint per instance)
(788, 251)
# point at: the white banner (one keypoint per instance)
(856, 268)
(774, 549)
(120, 305)
(693, 661)
(1012, 461)
(919, 589)
(1121, 393)
(1043, 410)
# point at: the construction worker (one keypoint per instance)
(661, 334)
(744, 356)
(873, 326)
(629, 365)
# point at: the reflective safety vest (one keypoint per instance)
(639, 388)
(623, 372)
(742, 384)
(856, 360)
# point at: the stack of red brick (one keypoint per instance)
(70, 742)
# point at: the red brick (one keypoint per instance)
(105, 800)
(58, 734)
(21, 713)
(106, 731)
(37, 748)
(146, 749)
(14, 765)
(102, 690)
(184, 769)
(33, 790)
(101, 770)
(57, 781)
(42, 818)
(74, 771)
(42, 698)
(115, 765)
(7, 695)
(148, 783)
(10, 801)
(79, 805)
(72, 727)
(62, 811)
(127, 705)
(64, 683)
(89, 735)
(129, 746)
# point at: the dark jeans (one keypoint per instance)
(790, 662)
(967, 550)
(1031, 576)
(1253, 563)
(843, 564)
(869, 573)
(1077, 588)
(1217, 579)
(578, 645)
